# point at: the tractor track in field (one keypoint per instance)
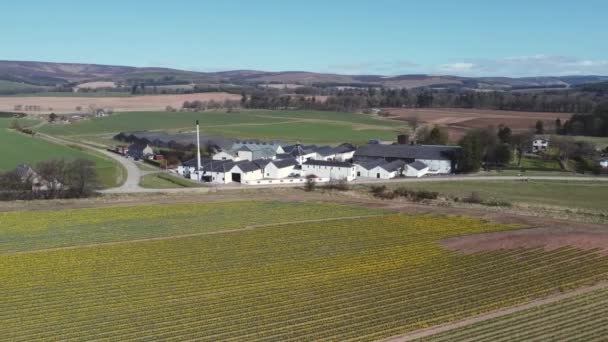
(434, 330)
(181, 236)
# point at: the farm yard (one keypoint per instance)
(277, 271)
(289, 126)
(35, 149)
(458, 120)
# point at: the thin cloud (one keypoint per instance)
(527, 66)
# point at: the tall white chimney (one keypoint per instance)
(198, 151)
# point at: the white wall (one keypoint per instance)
(245, 155)
(223, 156)
(441, 166)
(332, 172)
(411, 172)
(373, 173)
(345, 156)
(271, 171)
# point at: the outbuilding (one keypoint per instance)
(329, 169)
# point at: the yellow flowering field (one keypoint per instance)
(31, 230)
(349, 279)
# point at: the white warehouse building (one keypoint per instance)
(332, 170)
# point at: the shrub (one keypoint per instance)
(473, 198)
(310, 184)
(340, 185)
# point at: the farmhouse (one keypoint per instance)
(329, 169)
(140, 150)
(440, 159)
(540, 143)
(603, 162)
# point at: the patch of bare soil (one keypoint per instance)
(546, 238)
(66, 104)
(459, 120)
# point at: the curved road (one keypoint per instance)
(134, 174)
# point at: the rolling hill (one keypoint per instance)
(28, 74)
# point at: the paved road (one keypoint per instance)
(134, 174)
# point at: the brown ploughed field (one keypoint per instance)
(459, 120)
(64, 104)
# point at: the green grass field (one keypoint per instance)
(347, 279)
(581, 318)
(166, 181)
(18, 148)
(291, 126)
(537, 164)
(23, 231)
(8, 86)
(571, 195)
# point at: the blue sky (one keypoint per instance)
(466, 37)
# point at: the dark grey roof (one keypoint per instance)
(262, 162)
(219, 165)
(137, 147)
(393, 166)
(192, 162)
(328, 163)
(283, 163)
(283, 156)
(368, 165)
(344, 148)
(418, 165)
(430, 152)
(247, 166)
(325, 151)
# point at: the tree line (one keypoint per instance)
(594, 124)
(359, 100)
(50, 179)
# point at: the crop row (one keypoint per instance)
(337, 280)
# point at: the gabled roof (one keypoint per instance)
(368, 165)
(246, 166)
(283, 156)
(281, 164)
(344, 148)
(429, 152)
(328, 163)
(393, 166)
(262, 162)
(418, 165)
(325, 151)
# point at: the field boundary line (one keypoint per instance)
(182, 236)
(442, 328)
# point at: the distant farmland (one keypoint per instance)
(290, 126)
(459, 120)
(67, 103)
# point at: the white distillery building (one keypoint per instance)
(333, 170)
(440, 159)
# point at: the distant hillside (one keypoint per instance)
(43, 74)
